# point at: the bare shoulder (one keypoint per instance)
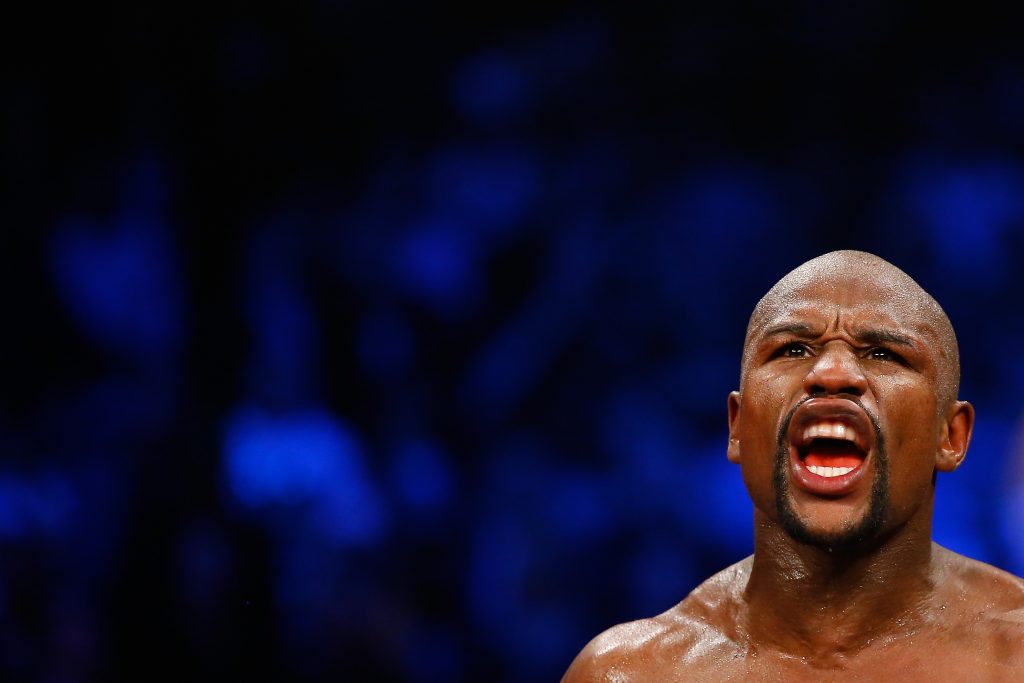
(669, 644)
(996, 590)
(990, 605)
(617, 655)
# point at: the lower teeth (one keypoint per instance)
(829, 471)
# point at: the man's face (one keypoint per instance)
(837, 424)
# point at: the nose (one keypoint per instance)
(836, 371)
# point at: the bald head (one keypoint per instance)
(841, 276)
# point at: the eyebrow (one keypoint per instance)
(878, 336)
(799, 329)
(870, 335)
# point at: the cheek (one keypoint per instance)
(764, 404)
(758, 425)
(759, 441)
(900, 381)
(911, 428)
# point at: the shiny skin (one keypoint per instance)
(973, 632)
(846, 327)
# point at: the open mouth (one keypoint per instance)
(830, 443)
(829, 449)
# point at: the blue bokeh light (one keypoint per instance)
(42, 505)
(303, 458)
(120, 284)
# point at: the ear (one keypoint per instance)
(733, 452)
(956, 435)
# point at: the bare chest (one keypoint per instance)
(937, 660)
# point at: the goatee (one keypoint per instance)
(855, 532)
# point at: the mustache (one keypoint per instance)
(784, 427)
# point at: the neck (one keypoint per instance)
(826, 603)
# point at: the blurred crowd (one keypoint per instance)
(392, 344)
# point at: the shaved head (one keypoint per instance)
(841, 274)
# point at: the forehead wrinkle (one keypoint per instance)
(867, 334)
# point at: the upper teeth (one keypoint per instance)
(829, 430)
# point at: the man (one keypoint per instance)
(847, 409)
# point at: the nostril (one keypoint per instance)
(816, 390)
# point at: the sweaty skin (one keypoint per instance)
(845, 583)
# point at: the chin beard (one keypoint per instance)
(854, 532)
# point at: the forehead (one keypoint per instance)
(853, 299)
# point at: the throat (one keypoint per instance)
(834, 623)
(807, 600)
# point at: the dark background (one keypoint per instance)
(391, 341)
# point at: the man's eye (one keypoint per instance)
(881, 353)
(793, 350)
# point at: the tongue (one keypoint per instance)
(833, 453)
